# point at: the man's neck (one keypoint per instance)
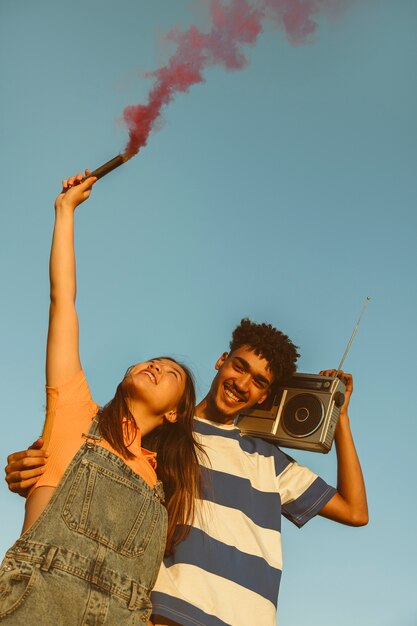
(208, 411)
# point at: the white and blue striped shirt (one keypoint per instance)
(227, 571)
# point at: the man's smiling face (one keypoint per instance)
(243, 380)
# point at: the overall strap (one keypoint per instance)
(93, 434)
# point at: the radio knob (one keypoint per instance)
(339, 399)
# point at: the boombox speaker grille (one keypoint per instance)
(302, 415)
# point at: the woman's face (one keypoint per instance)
(158, 384)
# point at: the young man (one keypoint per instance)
(227, 571)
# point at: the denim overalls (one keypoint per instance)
(93, 555)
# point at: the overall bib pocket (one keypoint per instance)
(93, 504)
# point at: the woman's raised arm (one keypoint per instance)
(62, 351)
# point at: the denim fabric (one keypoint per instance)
(92, 556)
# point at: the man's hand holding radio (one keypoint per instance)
(348, 505)
(347, 379)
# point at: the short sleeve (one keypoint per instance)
(65, 404)
(303, 493)
(75, 390)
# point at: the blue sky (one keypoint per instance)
(284, 192)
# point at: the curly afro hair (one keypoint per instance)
(269, 343)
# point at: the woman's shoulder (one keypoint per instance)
(75, 390)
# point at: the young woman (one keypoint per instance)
(96, 524)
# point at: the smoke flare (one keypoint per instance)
(233, 25)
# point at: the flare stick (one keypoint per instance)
(109, 166)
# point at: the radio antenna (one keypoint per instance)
(353, 335)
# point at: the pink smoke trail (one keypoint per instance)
(235, 24)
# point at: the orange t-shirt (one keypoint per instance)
(69, 412)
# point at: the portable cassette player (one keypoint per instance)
(303, 414)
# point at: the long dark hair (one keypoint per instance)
(177, 453)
